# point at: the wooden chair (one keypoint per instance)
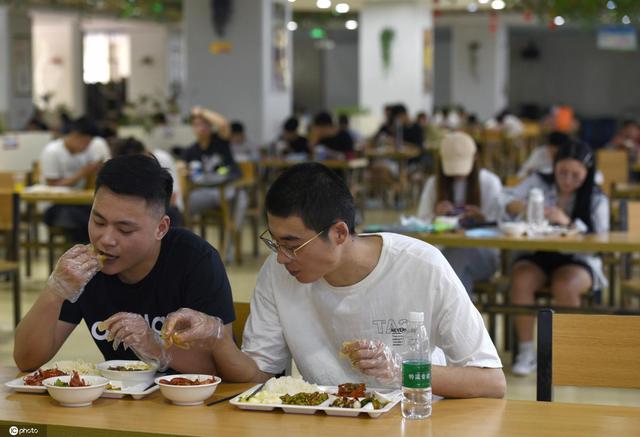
(242, 313)
(253, 213)
(220, 215)
(630, 288)
(614, 166)
(10, 223)
(587, 351)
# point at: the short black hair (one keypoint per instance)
(559, 139)
(291, 124)
(83, 126)
(237, 127)
(140, 176)
(128, 146)
(397, 110)
(314, 193)
(323, 119)
(343, 120)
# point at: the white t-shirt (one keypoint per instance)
(98, 150)
(166, 161)
(490, 196)
(56, 162)
(309, 322)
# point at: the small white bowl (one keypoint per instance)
(129, 377)
(513, 229)
(188, 394)
(76, 396)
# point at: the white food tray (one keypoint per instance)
(393, 395)
(136, 391)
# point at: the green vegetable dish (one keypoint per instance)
(307, 399)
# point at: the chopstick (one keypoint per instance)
(223, 399)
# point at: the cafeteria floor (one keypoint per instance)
(242, 277)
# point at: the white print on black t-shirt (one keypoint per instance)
(156, 325)
(390, 326)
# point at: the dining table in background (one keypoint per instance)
(154, 415)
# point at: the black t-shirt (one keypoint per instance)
(298, 145)
(188, 273)
(341, 142)
(216, 155)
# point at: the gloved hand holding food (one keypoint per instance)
(133, 331)
(375, 359)
(187, 327)
(73, 272)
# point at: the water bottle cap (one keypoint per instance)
(536, 193)
(415, 316)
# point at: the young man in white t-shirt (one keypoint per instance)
(68, 162)
(327, 285)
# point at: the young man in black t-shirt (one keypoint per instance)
(148, 271)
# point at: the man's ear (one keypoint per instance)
(163, 227)
(342, 232)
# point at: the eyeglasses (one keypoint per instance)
(289, 252)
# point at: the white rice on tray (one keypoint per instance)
(289, 385)
(80, 366)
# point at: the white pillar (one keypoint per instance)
(239, 84)
(15, 67)
(480, 63)
(57, 54)
(149, 50)
(403, 79)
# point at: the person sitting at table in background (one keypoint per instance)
(628, 138)
(541, 159)
(293, 143)
(242, 149)
(211, 163)
(344, 125)
(66, 162)
(473, 194)
(327, 140)
(573, 201)
(148, 271)
(327, 291)
(131, 146)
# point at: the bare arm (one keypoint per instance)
(468, 382)
(215, 118)
(233, 365)
(40, 334)
(78, 176)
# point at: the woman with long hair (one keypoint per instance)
(572, 200)
(462, 189)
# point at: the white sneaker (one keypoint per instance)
(526, 363)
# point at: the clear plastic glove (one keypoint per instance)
(375, 359)
(73, 271)
(187, 327)
(133, 331)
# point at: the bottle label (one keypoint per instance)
(416, 374)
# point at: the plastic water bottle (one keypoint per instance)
(535, 210)
(416, 370)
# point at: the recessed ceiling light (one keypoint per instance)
(498, 5)
(558, 21)
(472, 7)
(323, 4)
(351, 24)
(342, 8)
(626, 20)
(292, 25)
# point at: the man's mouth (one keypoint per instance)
(107, 256)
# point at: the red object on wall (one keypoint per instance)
(493, 22)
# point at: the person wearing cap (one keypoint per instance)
(68, 162)
(337, 303)
(473, 194)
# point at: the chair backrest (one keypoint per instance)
(614, 166)
(10, 220)
(587, 350)
(633, 216)
(242, 313)
(6, 181)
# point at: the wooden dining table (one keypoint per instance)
(607, 242)
(154, 415)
